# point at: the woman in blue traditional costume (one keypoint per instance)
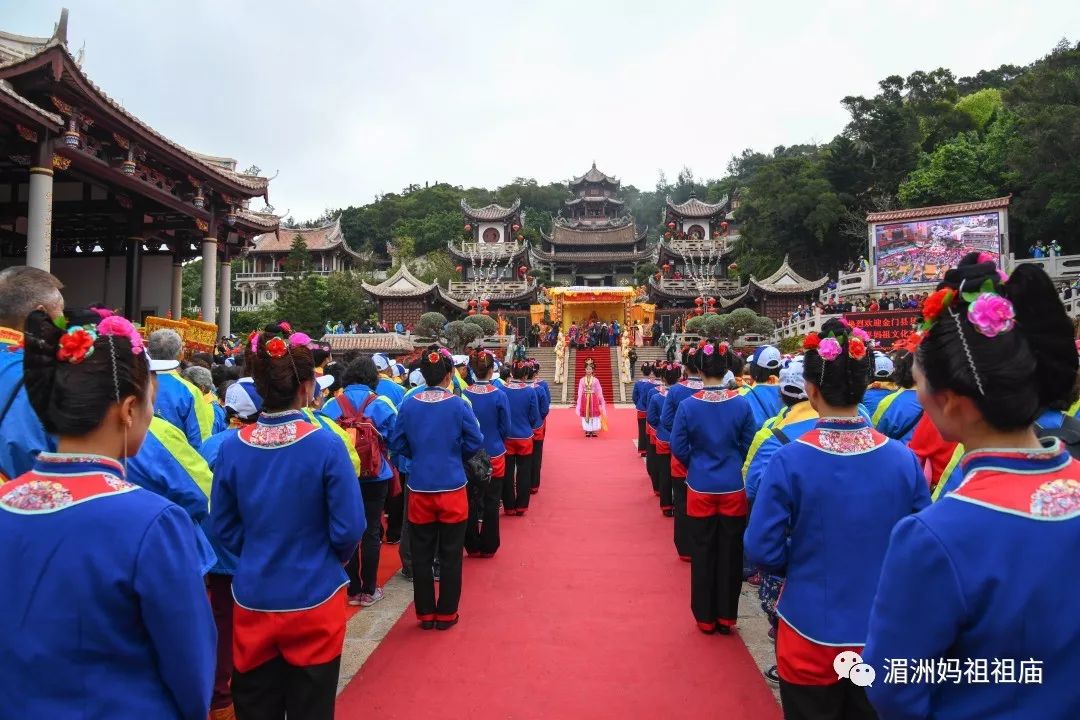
(492, 411)
(543, 399)
(106, 613)
(525, 420)
(996, 550)
(675, 395)
(711, 435)
(821, 519)
(897, 414)
(659, 449)
(292, 539)
(438, 432)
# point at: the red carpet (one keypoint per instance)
(584, 612)
(603, 370)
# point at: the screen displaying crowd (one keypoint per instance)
(921, 251)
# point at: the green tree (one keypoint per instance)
(243, 322)
(301, 292)
(485, 322)
(192, 287)
(791, 344)
(645, 271)
(459, 334)
(345, 298)
(438, 268)
(431, 324)
(980, 106)
(743, 321)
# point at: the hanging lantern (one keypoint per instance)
(472, 303)
(484, 304)
(230, 217)
(699, 301)
(522, 270)
(199, 200)
(716, 234)
(71, 135)
(657, 276)
(520, 238)
(710, 301)
(468, 227)
(699, 311)
(667, 235)
(128, 166)
(666, 267)
(458, 268)
(671, 226)
(724, 226)
(733, 266)
(515, 227)
(472, 311)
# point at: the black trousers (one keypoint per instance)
(395, 515)
(538, 461)
(448, 540)
(716, 553)
(276, 689)
(517, 482)
(678, 501)
(843, 700)
(650, 466)
(664, 485)
(482, 531)
(363, 567)
(642, 438)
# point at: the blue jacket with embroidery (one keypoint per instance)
(524, 410)
(21, 435)
(382, 412)
(712, 432)
(437, 431)
(675, 395)
(292, 537)
(543, 398)
(175, 403)
(765, 402)
(897, 414)
(822, 518)
(105, 610)
(210, 452)
(995, 557)
(653, 416)
(492, 411)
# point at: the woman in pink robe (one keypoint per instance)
(590, 402)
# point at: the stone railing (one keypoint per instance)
(699, 247)
(489, 250)
(794, 328)
(686, 285)
(265, 276)
(484, 288)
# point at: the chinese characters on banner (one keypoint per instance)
(885, 327)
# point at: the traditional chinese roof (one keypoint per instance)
(689, 289)
(268, 222)
(62, 66)
(594, 176)
(488, 251)
(939, 210)
(694, 208)
(502, 290)
(785, 280)
(403, 284)
(625, 234)
(586, 255)
(490, 213)
(9, 97)
(369, 342)
(325, 237)
(15, 47)
(593, 198)
(686, 248)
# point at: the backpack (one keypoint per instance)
(369, 444)
(1068, 433)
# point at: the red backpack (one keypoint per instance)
(369, 444)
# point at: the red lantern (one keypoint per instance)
(699, 311)
(458, 268)
(484, 303)
(699, 301)
(515, 227)
(667, 235)
(472, 303)
(733, 266)
(666, 267)
(710, 301)
(472, 311)
(724, 226)
(671, 226)
(520, 237)
(468, 227)
(522, 270)
(657, 276)
(716, 235)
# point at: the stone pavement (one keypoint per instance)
(367, 628)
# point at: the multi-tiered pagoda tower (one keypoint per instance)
(594, 241)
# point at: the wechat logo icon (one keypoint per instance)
(849, 665)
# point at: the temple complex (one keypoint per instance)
(403, 297)
(102, 200)
(593, 241)
(261, 267)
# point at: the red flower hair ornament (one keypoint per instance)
(277, 347)
(934, 305)
(433, 357)
(76, 344)
(811, 341)
(856, 348)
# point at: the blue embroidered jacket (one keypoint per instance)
(543, 398)
(286, 501)
(382, 411)
(996, 557)
(105, 611)
(437, 431)
(765, 402)
(711, 435)
(675, 395)
(492, 411)
(21, 435)
(822, 518)
(524, 410)
(653, 416)
(897, 415)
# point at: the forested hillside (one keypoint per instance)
(925, 139)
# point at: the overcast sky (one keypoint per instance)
(346, 100)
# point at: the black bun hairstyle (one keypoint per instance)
(670, 373)
(72, 398)
(715, 358)
(1013, 376)
(843, 380)
(435, 365)
(278, 379)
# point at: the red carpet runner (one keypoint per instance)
(584, 612)
(603, 371)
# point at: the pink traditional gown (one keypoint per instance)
(590, 403)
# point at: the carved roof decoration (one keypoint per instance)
(587, 255)
(403, 284)
(786, 281)
(322, 238)
(594, 176)
(694, 208)
(940, 210)
(490, 213)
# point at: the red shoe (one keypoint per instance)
(533, 491)
(707, 628)
(754, 579)
(684, 558)
(520, 513)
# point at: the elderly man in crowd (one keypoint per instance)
(178, 401)
(203, 379)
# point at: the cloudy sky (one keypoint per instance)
(349, 99)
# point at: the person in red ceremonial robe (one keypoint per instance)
(591, 407)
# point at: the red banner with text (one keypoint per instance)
(887, 326)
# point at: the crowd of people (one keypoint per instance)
(860, 303)
(897, 511)
(181, 538)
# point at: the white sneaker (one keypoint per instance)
(367, 600)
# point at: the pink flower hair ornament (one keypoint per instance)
(708, 349)
(861, 334)
(991, 314)
(829, 349)
(119, 326)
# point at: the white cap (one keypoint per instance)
(417, 378)
(382, 363)
(324, 381)
(399, 370)
(792, 382)
(162, 365)
(243, 399)
(883, 366)
(460, 360)
(767, 357)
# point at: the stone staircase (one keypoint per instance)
(546, 357)
(645, 354)
(605, 372)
